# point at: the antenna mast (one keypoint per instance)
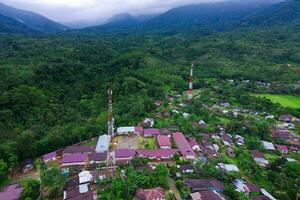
(190, 90)
(110, 130)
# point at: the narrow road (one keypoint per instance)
(172, 186)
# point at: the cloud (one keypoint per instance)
(75, 10)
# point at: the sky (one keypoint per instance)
(85, 10)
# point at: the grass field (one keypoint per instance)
(147, 143)
(284, 100)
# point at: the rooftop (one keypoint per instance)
(183, 144)
(79, 149)
(150, 194)
(124, 153)
(49, 156)
(151, 131)
(77, 157)
(163, 140)
(103, 143)
(11, 192)
(157, 152)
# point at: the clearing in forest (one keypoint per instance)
(285, 100)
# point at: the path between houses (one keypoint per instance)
(172, 186)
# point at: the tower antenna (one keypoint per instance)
(111, 120)
(190, 90)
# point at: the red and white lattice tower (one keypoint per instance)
(110, 129)
(190, 91)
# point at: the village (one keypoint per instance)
(98, 159)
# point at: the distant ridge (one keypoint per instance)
(32, 20)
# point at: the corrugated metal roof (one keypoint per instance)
(103, 143)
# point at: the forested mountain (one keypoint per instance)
(10, 25)
(31, 20)
(278, 14)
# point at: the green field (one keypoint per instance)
(284, 100)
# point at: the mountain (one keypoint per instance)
(218, 16)
(278, 14)
(10, 25)
(31, 20)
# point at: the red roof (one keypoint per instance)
(163, 140)
(74, 158)
(183, 144)
(257, 154)
(281, 147)
(150, 194)
(157, 153)
(151, 131)
(139, 129)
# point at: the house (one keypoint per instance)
(267, 194)
(124, 156)
(227, 167)
(259, 158)
(85, 177)
(26, 165)
(69, 194)
(242, 186)
(226, 139)
(270, 117)
(194, 145)
(148, 122)
(230, 153)
(11, 192)
(98, 158)
(288, 125)
(282, 148)
(74, 159)
(285, 118)
(79, 149)
(204, 184)
(206, 195)
(138, 130)
(186, 115)
(72, 183)
(49, 156)
(282, 135)
(150, 194)
(186, 168)
(267, 145)
(103, 143)
(164, 142)
(183, 146)
(83, 188)
(239, 140)
(126, 130)
(157, 154)
(151, 132)
(86, 196)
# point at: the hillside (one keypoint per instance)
(31, 19)
(10, 25)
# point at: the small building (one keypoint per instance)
(97, 158)
(230, 153)
(26, 165)
(124, 156)
(72, 183)
(157, 154)
(194, 145)
(139, 130)
(11, 192)
(164, 142)
(148, 122)
(244, 187)
(151, 132)
(183, 146)
(259, 158)
(282, 148)
(126, 130)
(186, 168)
(282, 135)
(239, 140)
(204, 184)
(285, 118)
(150, 194)
(103, 143)
(85, 177)
(226, 139)
(86, 196)
(74, 159)
(227, 167)
(49, 156)
(267, 145)
(206, 195)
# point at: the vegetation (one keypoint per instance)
(284, 100)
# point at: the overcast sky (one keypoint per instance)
(77, 10)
